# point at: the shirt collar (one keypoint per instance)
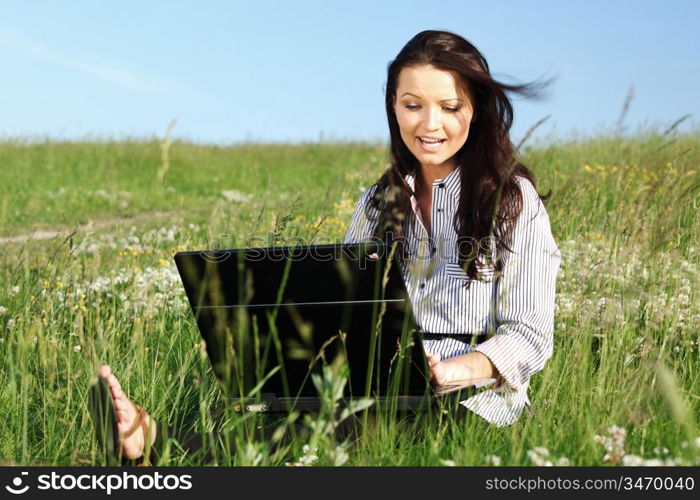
(451, 182)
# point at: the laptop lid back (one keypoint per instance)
(272, 316)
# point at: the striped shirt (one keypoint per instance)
(511, 314)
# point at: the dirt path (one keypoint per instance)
(91, 226)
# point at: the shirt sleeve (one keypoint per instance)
(524, 312)
(361, 228)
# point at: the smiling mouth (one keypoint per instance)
(431, 141)
(430, 146)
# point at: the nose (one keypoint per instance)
(431, 118)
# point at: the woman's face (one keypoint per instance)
(430, 105)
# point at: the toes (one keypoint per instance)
(115, 386)
(120, 404)
(117, 391)
(105, 371)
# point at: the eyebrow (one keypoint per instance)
(442, 100)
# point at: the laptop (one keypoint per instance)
(272, 317)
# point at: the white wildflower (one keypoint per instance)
(564, 304)
(339, 455)
(539, 456)
(632, 460)
(235, 195)
(637, 461)
(250, 455)
(308, 457)
(614, 444)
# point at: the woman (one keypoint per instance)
(479, 259)
(477, 252)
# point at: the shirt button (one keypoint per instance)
(441, 185)
(433, 250)
(422, 285)
(439, 210)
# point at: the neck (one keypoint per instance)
(430, 173)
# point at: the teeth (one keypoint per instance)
(430, 141)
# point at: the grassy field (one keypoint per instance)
(623, 385)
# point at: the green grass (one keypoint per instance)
(624, 212)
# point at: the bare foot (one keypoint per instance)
(133, 423)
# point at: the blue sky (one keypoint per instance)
(310, 70)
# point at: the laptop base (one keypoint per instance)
(272, 404)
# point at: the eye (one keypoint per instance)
(415, 106)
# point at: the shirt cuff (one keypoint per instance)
(505, 352)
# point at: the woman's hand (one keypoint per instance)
(465, 368)
(437, 369)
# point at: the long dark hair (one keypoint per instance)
(490, 200)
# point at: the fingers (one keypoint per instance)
(437, 370)
(433, 359)
(104, 371)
